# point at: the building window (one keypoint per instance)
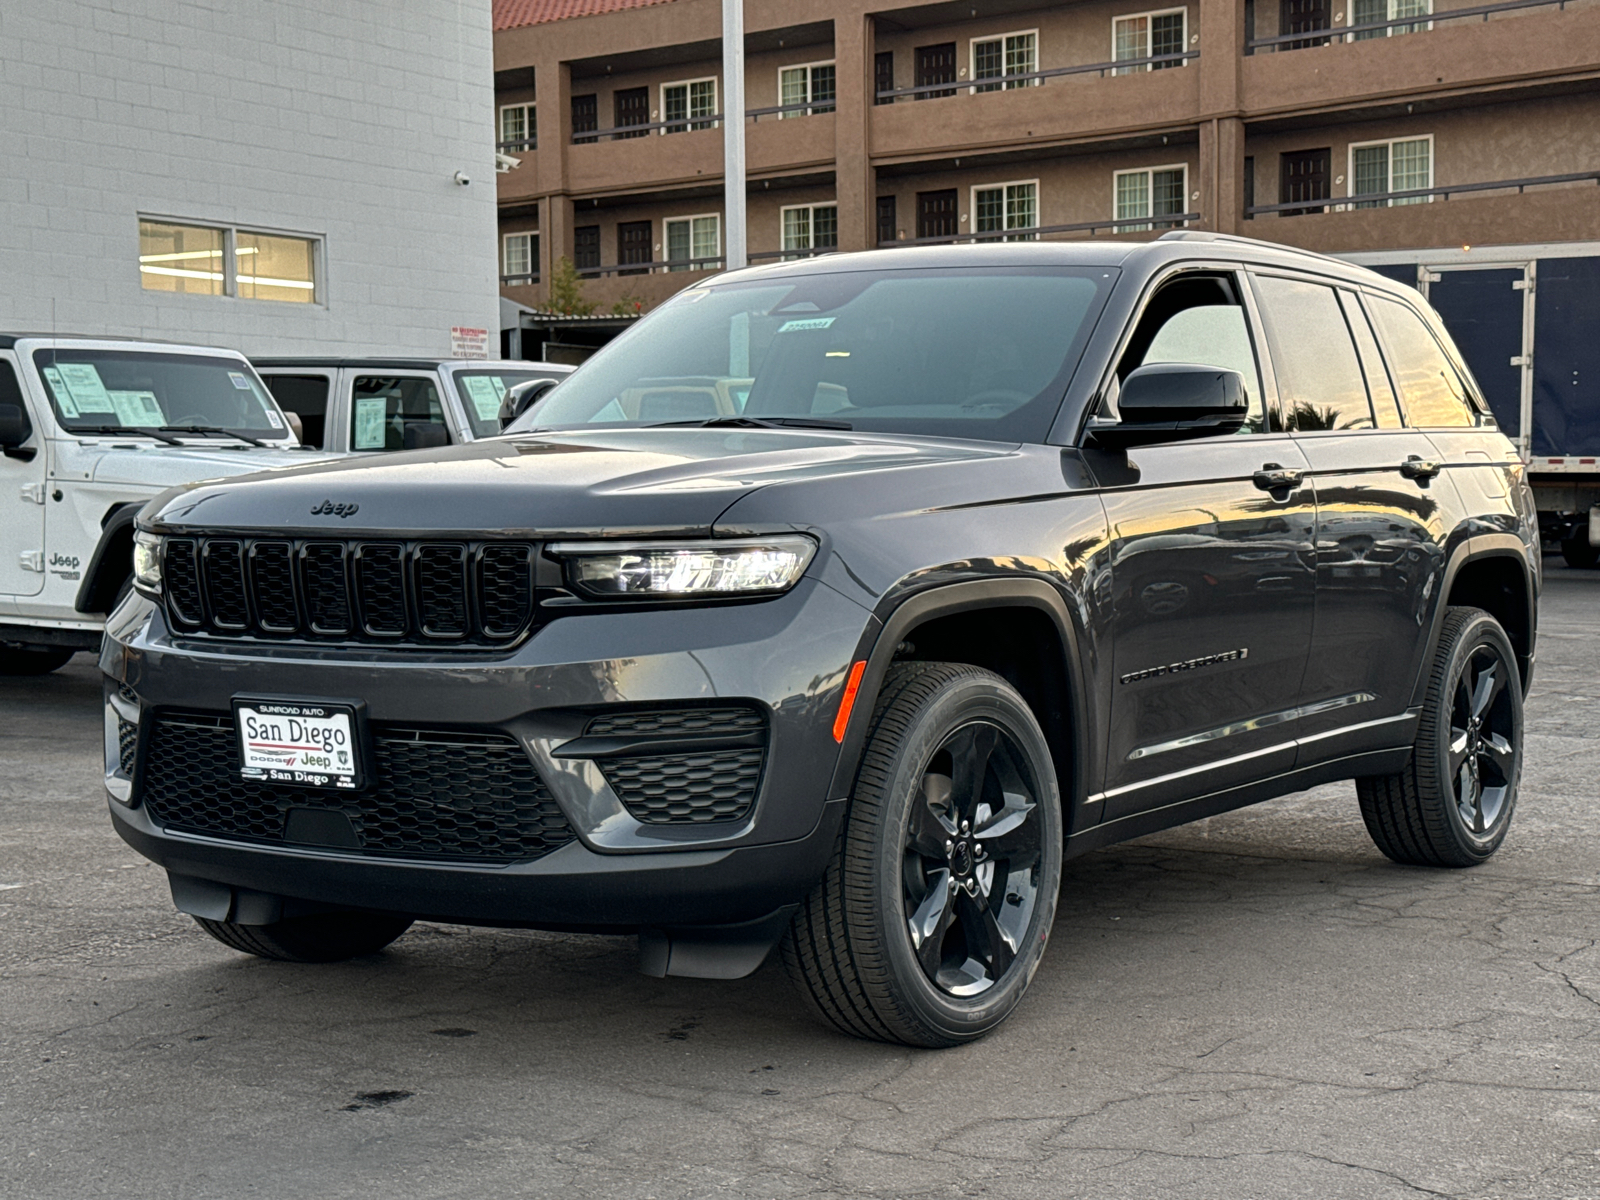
(1147, 35)
(1004, 207)
(519, 253)
(694, 243)
(1401, 165)
(813, 83)
(225, 261)
(682, 104)
(1368, 12)
(1150, 193)
(1001, 58)
(517, 128)
(810, 227)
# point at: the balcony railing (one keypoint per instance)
(521, 280)
(1037, 232)
(531, 142)
(770, 255)
(1415, 23)
(617, 132)
(1384, 199)
(650, 268)
(1010, 82)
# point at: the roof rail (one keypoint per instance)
(1206, 235)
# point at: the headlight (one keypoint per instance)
(745, 566)
(147, 563)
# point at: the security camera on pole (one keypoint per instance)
(733, 133)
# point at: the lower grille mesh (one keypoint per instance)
(681, 784)
(434, 794)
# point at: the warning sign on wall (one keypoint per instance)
(466, 342)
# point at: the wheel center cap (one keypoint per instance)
(961, 859)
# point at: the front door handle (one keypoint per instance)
(1273, 478)
(1420, 469)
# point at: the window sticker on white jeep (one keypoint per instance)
(137, 408)
(239, 381)
(273, 419)
(370, 413)
(808, 323)
(611, 412)
(486, 391)
(62, 394)
(88, 393)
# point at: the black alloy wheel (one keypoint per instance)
(1451, 805)
(972, 852)
(932, 917)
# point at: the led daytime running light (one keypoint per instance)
(711, 568)
(147, 562)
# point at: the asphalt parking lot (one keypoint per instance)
(1256, 1006)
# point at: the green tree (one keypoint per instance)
(566, 291)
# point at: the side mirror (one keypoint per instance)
(296, 427)
(522, 397)
(1170, 402)
(423, 435)
(14, 430)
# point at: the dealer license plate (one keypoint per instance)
(304, 743)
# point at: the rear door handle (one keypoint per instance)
(1420, 469)
(1273, 478)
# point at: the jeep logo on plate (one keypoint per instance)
(329, 508)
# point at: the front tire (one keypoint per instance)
(930, 921)
(318, 938)
(34, 660)
(1452, 804)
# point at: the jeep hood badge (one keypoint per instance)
(329, 508)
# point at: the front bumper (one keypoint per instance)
(788, 657)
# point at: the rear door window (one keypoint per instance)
(1320, 383)
(1432, 394)
(381, 406)
(1384, 404)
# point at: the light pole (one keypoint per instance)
(733, 233)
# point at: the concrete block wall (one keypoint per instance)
(347, 121)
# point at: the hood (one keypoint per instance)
(158, 465)
(630, 482)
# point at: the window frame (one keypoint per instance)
(1354, 199)
(533, 264)
(1423, 24)
(972, 210)
(691, 123)
(1000, 83)
(230, 258)
(688, 264)
(1149, 15)
(347, 400)
(811, 249)
(827, 106)
(1150, 216)
(530, 135)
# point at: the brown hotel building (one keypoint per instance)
(882, 122)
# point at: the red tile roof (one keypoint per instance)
(514, 14)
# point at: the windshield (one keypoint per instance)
(126, 389)
(975, 352)
(482, 391)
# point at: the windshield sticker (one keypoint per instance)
(88, 393)
(62, 395)
(810, 323)
(611, 412)
(274, 419)
(486, 396)
(137, 408)
(239, 380)
(370, 415)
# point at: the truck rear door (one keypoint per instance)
(1488, 311)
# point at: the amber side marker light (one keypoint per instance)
(848, 700)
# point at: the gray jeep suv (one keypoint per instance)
(838, 605)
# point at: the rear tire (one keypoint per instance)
(1452, 804)
(34, 660)
(1578, 552)
(933, 915)
(319, 938)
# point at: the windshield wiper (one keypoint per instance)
(756, 423)
(143, 430)
(243, 437)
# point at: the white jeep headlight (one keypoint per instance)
(723, 567)
(147, 563)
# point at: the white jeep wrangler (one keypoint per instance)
(90, 429)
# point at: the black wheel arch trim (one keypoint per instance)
(102, 579)
(1478, 548)
(898, 616)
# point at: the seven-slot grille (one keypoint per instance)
(371, 591)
